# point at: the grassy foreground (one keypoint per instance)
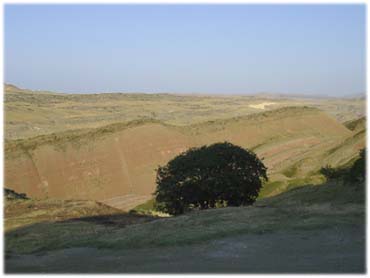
(34, 226)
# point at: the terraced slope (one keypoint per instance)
(347, 151)
(119, 161)
(282, 137)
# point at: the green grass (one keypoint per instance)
(145, 207)
(148, 205)
(269, 187)
(335, 193)
(148, 208)
(314, 180)
(291, 171)
(275, 187)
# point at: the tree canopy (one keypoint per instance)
(221, 174)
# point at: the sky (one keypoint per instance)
(211, 49)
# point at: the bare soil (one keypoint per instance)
(123, 163)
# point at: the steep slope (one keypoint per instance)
(112, 165)
(282, 137)
(357, 124)
(346, 151)
(116, 164)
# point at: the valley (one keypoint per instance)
(89, 172)
(119, 160)
(152, 138)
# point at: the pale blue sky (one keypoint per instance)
(236, 49)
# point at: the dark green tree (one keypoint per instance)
(220, 174)
(357, 173)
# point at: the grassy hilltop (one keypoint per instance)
(30, 113)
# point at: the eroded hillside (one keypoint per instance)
(116, 164)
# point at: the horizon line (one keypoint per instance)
(261, 93)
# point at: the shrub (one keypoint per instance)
(221, 174)
(357, 172)
(354, 174)
(12, 195)
(332, 173)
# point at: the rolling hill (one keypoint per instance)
(31, 113)
(116, 164)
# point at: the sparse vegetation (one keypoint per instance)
(331, 173)
(32, 113)
(74, 137)
(294, 142)
(291, 171)
(149, 208)
(357, 173)
(356, 124)
(354, 174)
(12, 195)
(303, 208)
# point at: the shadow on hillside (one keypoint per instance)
(332, 191)
(44, 235)
(118, 220)
(84, 231)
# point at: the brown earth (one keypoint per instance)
(118, 165)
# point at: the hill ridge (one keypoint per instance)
(283, 111)
(70, 135)
(356, 124)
